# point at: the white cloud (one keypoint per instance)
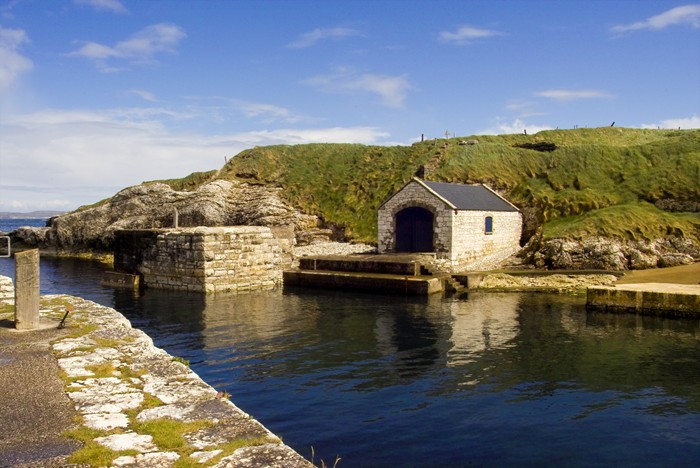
(574, 94)
(312, 38)
(516, 126)
(12, 63)
(267, 112)
(140, 47)
(391, 89)
(523, 108)
(289, 136)
(114, 6)
(63, 159)
(683, 123)
(466, 35)
(145, 95)
(686, 14)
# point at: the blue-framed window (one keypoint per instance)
(488, 225)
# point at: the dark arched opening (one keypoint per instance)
(414, 230)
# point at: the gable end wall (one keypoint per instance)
(414, 194)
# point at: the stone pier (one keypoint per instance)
(204, 259)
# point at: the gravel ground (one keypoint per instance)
(36, 408)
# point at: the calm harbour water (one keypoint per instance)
(490, 379)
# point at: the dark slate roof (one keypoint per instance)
(469, 197)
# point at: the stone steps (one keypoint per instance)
(393, 273)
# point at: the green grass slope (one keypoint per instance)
(601, 181)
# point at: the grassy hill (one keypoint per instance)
(601, 181)
(571, 183)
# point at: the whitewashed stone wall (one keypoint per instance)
(470, 241)
(459, 237)
(206, 259)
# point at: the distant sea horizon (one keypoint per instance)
(8, 225)
(38, 214)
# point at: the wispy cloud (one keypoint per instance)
(683, 123)
(391, 89)
(499, 127)
(145, 95)
(310, 39)
(114, 6)
(523, 108)
(100, 149)
(12, 63)
(574, 94)
(267, 112)
(140, 47)
(465, 35)
(686, 14)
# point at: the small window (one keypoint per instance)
(488, 225)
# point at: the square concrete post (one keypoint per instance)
(27, 290)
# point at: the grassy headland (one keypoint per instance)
(581, 182)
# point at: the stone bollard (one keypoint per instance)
(27, 290)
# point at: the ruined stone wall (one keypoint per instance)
(471, 242)
(208, 259)
(415, 195)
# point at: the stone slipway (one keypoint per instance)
(122, 387)
(677, 300)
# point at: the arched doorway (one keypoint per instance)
(414, 230)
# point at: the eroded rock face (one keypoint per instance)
(598, 253)
(146, 206)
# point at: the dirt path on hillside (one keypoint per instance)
(685, 274)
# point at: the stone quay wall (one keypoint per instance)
(203, 259)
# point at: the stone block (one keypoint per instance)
(27, 290)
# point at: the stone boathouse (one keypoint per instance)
(459, 223)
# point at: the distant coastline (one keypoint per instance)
(29, 215)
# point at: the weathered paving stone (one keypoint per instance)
(70, 345)
(203, 457)
(154, 460)
(213, 410)
(128, 441)
(227, 431)
(106, 421)
(172, 391)
(76, 366)
(268, 455)
(106, 395)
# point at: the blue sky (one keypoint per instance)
(98, 95)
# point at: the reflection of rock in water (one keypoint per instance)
(483, 322)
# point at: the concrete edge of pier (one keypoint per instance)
(666, 299)
(108, 378)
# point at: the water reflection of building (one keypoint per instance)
(483, 322)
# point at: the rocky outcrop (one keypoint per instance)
(549, 283)
(153, 205)
(599, 253)
(29, 237)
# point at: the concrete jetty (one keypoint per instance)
(668, 299)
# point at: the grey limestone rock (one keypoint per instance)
(153, 205)
(599, 253)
